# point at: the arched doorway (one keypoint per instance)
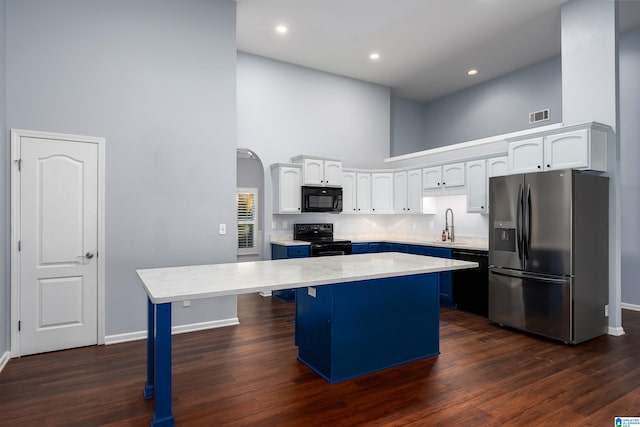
(250, 208)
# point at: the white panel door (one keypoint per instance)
(59, 242)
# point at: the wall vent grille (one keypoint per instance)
(539, 116)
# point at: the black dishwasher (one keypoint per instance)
(471, 286)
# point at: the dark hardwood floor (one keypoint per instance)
(248, 375)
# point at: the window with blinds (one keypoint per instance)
(247, 220)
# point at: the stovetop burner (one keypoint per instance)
(321, 238)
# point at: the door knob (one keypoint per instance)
(88, 255)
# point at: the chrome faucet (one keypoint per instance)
(450, 233)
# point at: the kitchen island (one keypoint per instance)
(356, 307)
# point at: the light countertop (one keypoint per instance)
(474, 243)
(205, 281)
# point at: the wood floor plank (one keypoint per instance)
(248, 375)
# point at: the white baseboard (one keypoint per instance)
(4, 359)
(179, 329)
(633, 307)
(616, 332)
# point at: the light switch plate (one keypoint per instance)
(222, 229)
(186, 303)
(311, 291)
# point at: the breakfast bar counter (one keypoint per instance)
(355, 314)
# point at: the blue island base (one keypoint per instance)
(351, 329)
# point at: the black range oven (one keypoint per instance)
(321, 238)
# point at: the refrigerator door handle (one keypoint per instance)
(527, 222)
(519, 237)
(524, 275)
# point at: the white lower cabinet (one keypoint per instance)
(287, 193)
(382, 193)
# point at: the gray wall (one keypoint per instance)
(498, 106)
(629, 135)
(156, 78)
(4, 196)
(285, 110)
(407, 126)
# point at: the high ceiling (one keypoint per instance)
(426, 47)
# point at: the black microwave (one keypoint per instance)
(321, 199)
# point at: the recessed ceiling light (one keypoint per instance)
(374, 56)
(472, 72)
(281, 29)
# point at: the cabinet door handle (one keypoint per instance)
(548, 166)
(438, 183)
(444, 183)
(538, 166)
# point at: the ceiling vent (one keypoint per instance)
(539, 116)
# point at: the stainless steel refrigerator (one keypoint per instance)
(549, 253)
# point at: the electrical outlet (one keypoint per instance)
(311, 291)
(606, 310)
(285, 224)
(430, 225)
(274, 225)
(222, 229)
(186, 303)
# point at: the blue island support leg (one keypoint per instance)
(162, 415)
(149, 388)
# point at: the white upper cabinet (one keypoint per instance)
(287, 194)
(477, 186)
(453, 176)
(363, 192)
(382, 193)
(498, 166)
(407, 192)
(577, 147)
(356, 192)
(332, 173)
(432, 178)
(320, 172)
(442, 180)
(414, 191)
(349, 201)
(400, 192)
(526, 156)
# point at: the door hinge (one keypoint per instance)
(19, 163)
(19, 325)
(19, 245)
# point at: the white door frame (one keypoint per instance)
(16, 135)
